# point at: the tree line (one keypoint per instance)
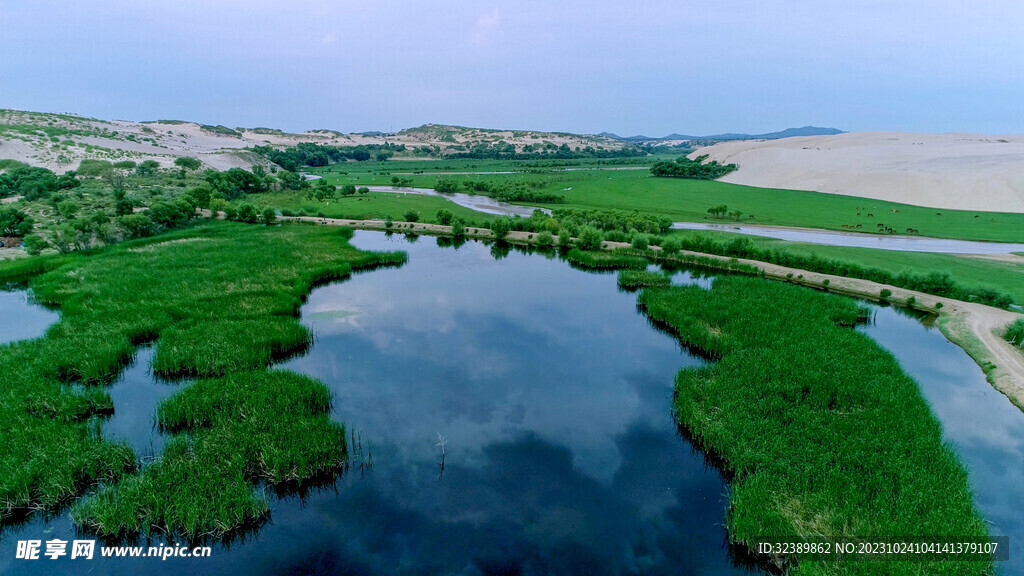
(696, 169)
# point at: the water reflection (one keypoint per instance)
(981, 424)
(20, 318)
(562, 455)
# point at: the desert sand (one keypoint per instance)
(952, 171)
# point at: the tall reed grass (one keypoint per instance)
(217, 299)
(823, 434)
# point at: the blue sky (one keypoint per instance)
(628, 67)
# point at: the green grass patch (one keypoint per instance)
(597, 260)
(216, 299)
(231, 433)
(217, 347)
(823, 435)
(370, 206)
(636, 279)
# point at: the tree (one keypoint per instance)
(235, 182)
(363, 190)
(718, 211)
(173, 214)
(188, 163)
(458, 228)
(444, 217)
(14, 222)
(292, 181)
(348, 190)
(447, 186)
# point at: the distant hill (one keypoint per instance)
(787, 133)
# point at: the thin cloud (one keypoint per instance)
(485, 27)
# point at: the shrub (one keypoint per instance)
(444, 217)
(669, 246)
(589, 239)
(545, 239)
(268, 216)
(640, 241)
(136, 225)
(446, 185)
(34, 244)
(411, 216)
(188, 163)
(885, 294)
(911, 301)
(14, 222)
(247, 213)
(501, 227)
(1015, 333)
(458, 228)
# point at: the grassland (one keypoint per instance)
(371, 206)
(822, 433)
(218, 300)
(689, 200)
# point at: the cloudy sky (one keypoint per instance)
(628, 67)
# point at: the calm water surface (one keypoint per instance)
(20, 318)
(551, 396)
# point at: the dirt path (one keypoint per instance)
(974, 327)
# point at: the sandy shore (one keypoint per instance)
(952, 171)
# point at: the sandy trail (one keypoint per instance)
(974, 327)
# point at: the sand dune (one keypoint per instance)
(953, 171)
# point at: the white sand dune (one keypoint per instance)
(952, 171)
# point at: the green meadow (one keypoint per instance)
(588, 185)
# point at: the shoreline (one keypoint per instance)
(971, 326)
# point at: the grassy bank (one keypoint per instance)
(973, 273)
(218, 299)
(823, 434)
